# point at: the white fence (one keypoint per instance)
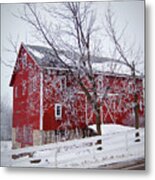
(86, 151)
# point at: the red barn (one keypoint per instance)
(48, 105)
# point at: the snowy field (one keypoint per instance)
(118, 144)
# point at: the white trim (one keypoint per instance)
(81, 92)
(55, 68)
(41, 101)
(140, 105)
(112, 94)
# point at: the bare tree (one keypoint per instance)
(6, 120)
(127, 53)
(13, 50)
(68, 30)
(76, 22)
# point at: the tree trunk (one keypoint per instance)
(98, 119)
(98, 125)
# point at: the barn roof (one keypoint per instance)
(43, 55)
(47, 59)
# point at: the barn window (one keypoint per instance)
(100, 83)
(30, 65)
(24, 60)
(23, 87)
(34, 83)
(58, 111)
(130, 87)
(63, 83)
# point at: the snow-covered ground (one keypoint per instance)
(118, 144)
(6, 153)
(112, 128)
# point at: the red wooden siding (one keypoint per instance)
(59, 87)
(26, 95)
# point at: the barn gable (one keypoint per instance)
(20, 61)
(44, 56)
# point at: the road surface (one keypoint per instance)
(138, 164)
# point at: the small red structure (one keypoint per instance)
(48, 105)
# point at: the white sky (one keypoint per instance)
(131, 12)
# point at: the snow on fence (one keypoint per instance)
(84, 152)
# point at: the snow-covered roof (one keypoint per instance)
(46, 58)
(43, 55)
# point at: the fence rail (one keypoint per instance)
(61, 153)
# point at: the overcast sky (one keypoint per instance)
(131, 12)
